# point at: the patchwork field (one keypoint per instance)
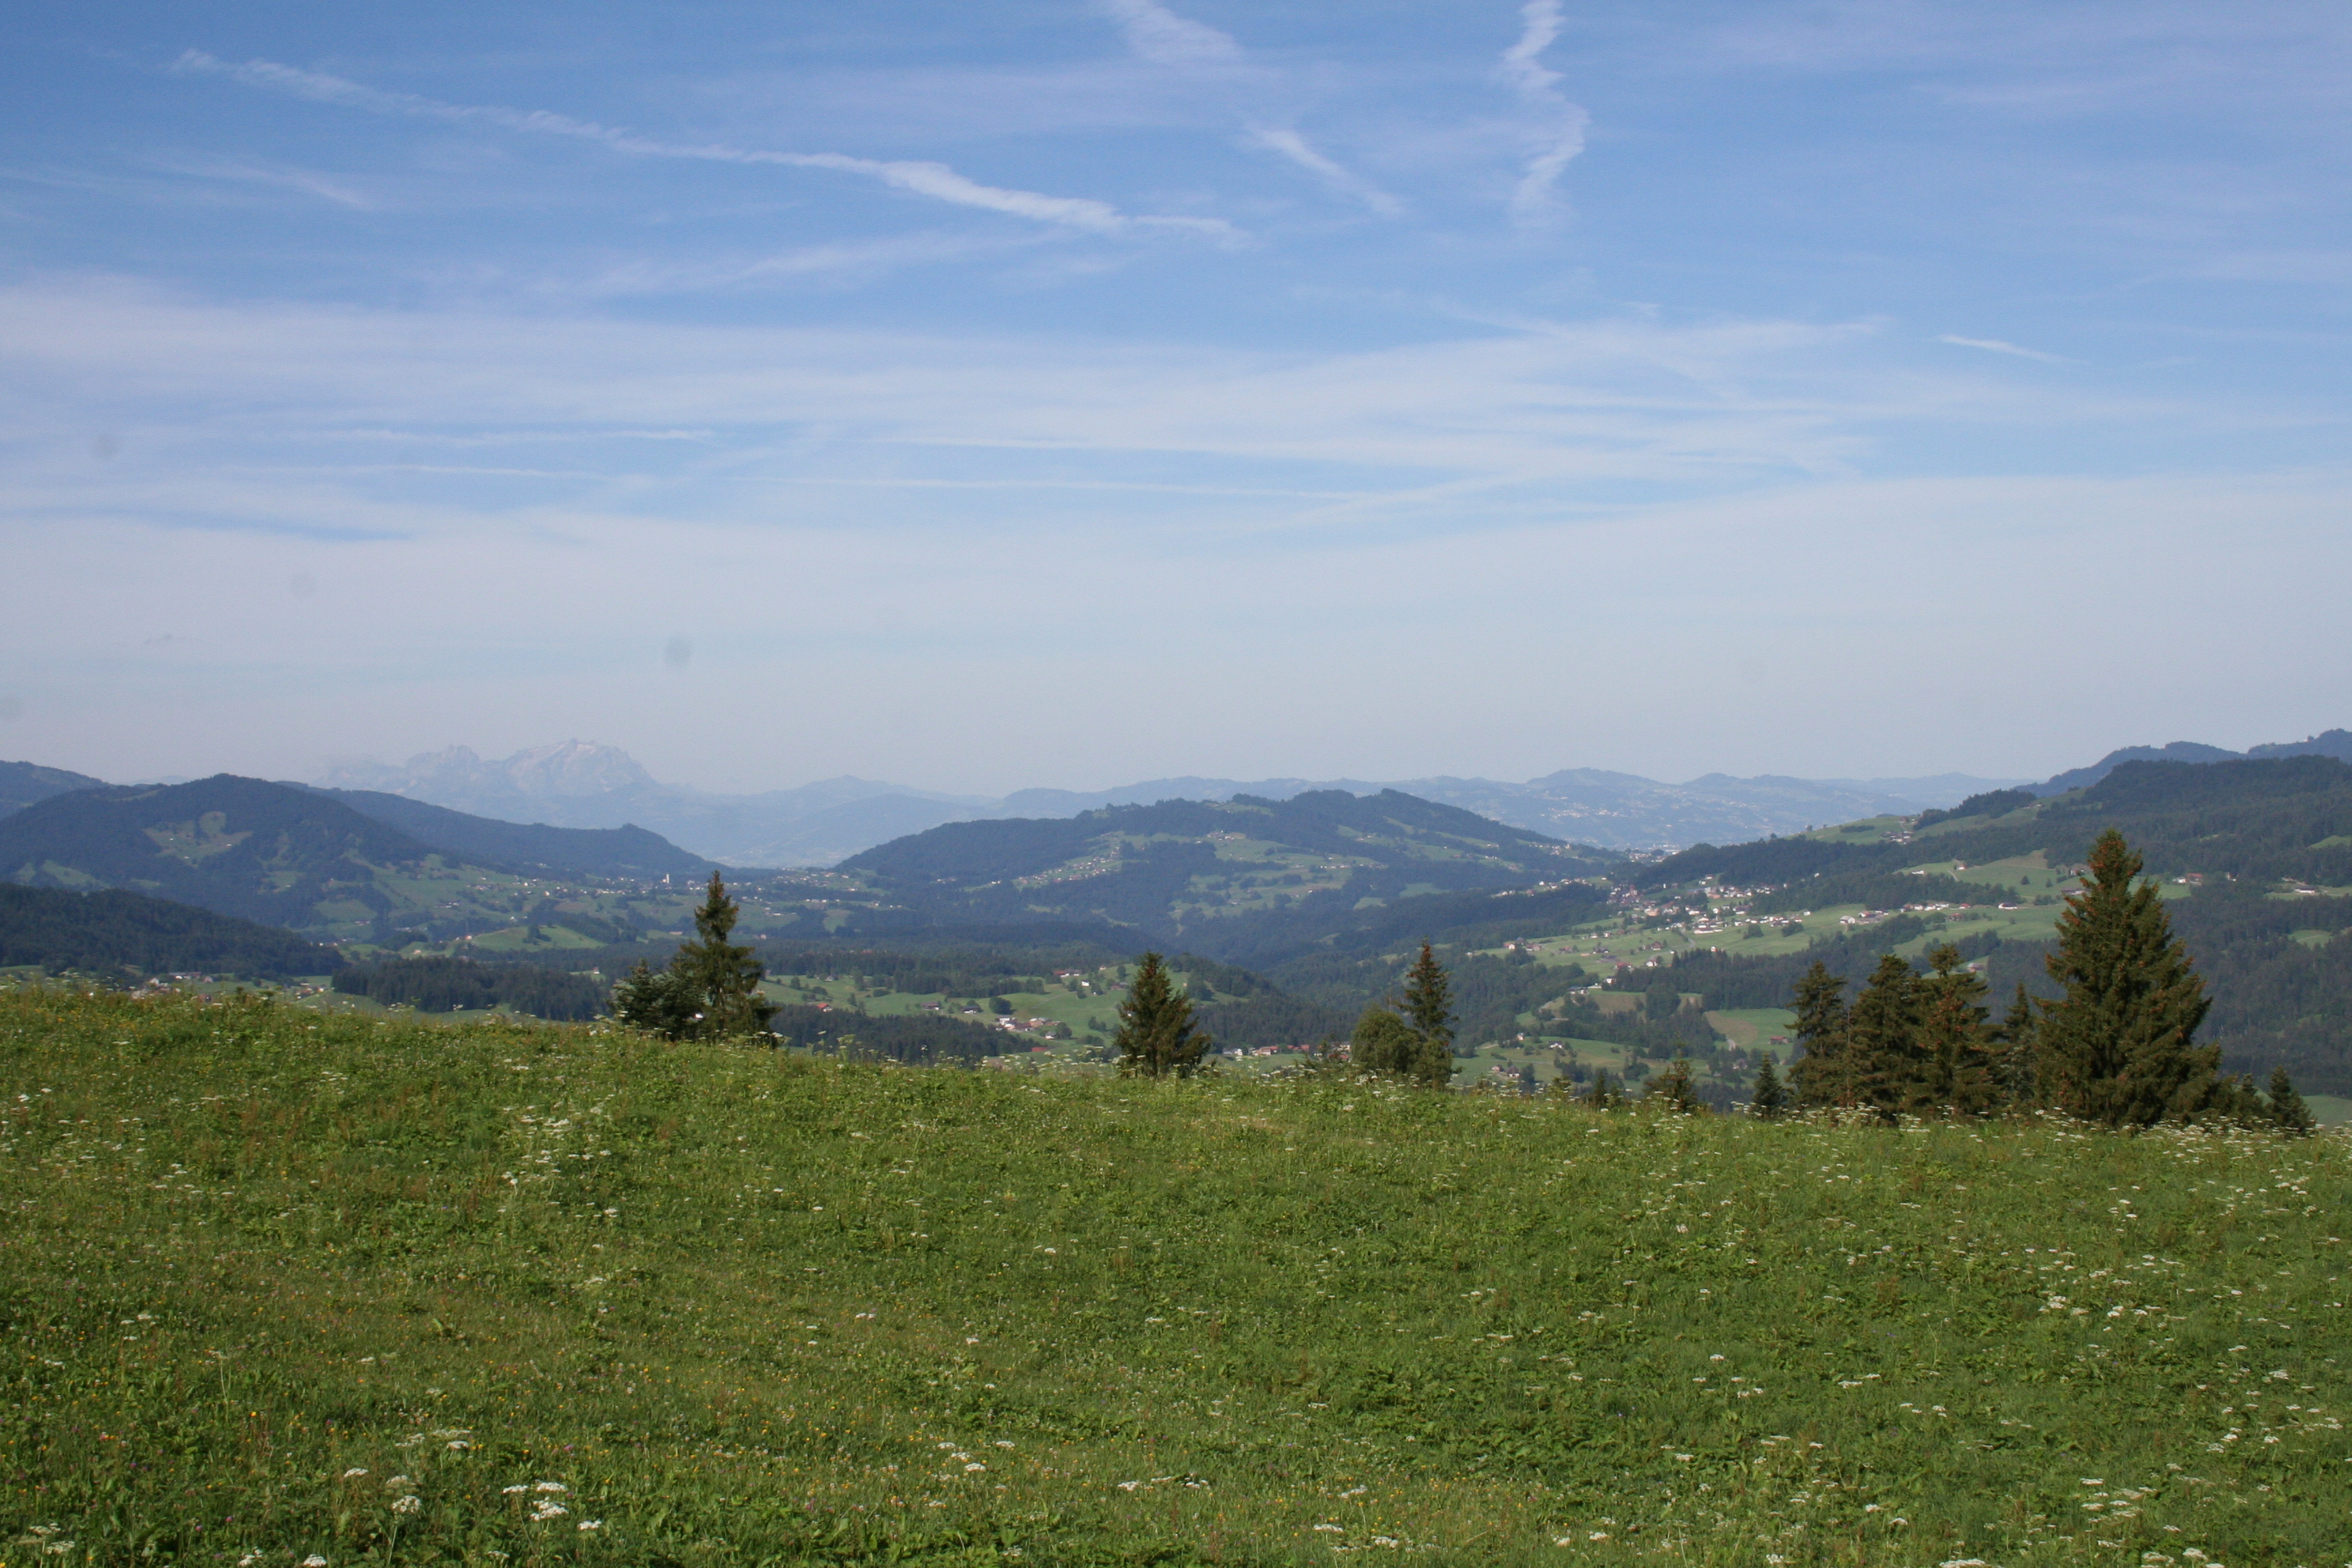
(280, 1285)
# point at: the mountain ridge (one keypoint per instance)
(828, 821)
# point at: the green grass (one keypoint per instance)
(268, 1272)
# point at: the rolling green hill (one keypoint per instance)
(239, 846)
(2259, 852)
(278, 1286)
(22, 784)
(1246, 875)
(307, 862)
(624, 852)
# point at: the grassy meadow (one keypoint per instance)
(283, 1287)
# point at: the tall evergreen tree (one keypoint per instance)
(2016, 1052)
(2119, 1046)
(1671, 1090)
(710, 991)
(1769, 1099)
(1429, 998)
(726, 975)
(1883, 1037)
(1419, 1044)
(1954, 1065)
(2288, 1112)
(1819, 1074)
(1383, 1043)
(1157, 1036)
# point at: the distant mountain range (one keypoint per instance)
(330, 864)
(578, 784)
(1249, 879)
(581, 785)
(2337, 744)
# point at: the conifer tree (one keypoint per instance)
(1600, 1094)
(2015, 1052)
(1819, 1074)
(1383, 1043)
(2119, 1046)
(1954, 1062)
(1769, 1099)
(1671, 1091)
(710, 991)
(1157, 1036)
(1881, 1038)
(2288, 1112)
(1419, 1044)
(1428, 999)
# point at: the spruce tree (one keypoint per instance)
(658, 1001)
(1157, 1036)
(2119, 1046)
(2288, 1112)
(1428, 998)
(1671, 1091)
(2015, 1051)
(1601, 1094)
(1954, 1065)
(1819, 1074)
(1769, 1099)
(1383, 1043)
(1881, 1038)
(710, 991)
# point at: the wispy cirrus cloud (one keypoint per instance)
(1162, 36)
(1994, 345)
(279, 176)
(917, 177)
(1556, 131)
(842, 262)
(1288, 143)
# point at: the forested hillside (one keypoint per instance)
(566, 851)
(308, 861)
(22, 784)
(130, 935)
(1245, 878)
(2260, 849)
(239, 846)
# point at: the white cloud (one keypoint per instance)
(1994, 345)
(917, 177)
(1523, 64)
(838, 263)
(862, 520)
(1290, 145)
(281, 177)
(1555, 135)
(1162, 36)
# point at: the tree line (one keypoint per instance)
(447, 985)
(2115, 1046)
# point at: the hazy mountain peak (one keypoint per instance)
(574, 767)
(568, 768)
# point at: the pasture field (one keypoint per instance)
(281, 1287)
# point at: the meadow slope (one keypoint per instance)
(278, 1286)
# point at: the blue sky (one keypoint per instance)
(1065, 392)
